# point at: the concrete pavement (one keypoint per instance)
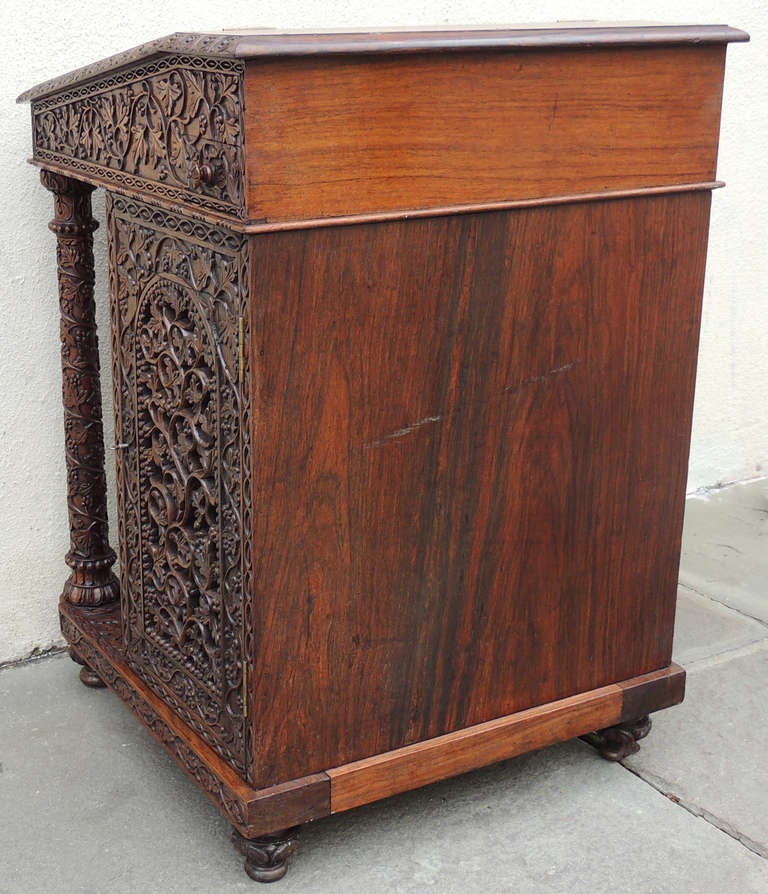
(89, 803)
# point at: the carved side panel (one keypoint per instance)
(178, 294)
(171, 127)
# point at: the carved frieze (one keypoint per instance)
(171, 127)
(178, 293)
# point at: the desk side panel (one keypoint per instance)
(333, 137)
(470, 442)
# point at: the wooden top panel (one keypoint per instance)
(514, 37)
(272, 43)
(331, 138)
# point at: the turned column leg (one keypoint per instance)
(266, 857)
(614, 743)
(91, 582)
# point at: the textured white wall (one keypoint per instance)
(48, 38)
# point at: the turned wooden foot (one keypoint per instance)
(617, 742)
(266, 857)
(88, 676)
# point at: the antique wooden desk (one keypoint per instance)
(404, 333)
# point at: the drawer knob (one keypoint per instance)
(206, 173)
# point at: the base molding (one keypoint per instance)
(96, 637)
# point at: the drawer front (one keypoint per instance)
(387, 136)
(181, 424)
(170, 128)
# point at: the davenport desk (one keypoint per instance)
(404, 331)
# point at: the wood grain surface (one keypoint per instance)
(470, 440)
(259, 43)
(661, 689)
(384, 775)
(96, 635)
(344, 136)
(477, 746)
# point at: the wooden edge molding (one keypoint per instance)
(652, 692)
(255, 226)
(387, 41)
(468, 39)
(476, 746)
(95, 636)
(384, 775)
(238, 225)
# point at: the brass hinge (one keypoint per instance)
(245, 689)
(241, 348)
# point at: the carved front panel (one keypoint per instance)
(178, 292)
(171, 127)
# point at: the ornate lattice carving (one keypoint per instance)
(173, 123)
(90, 556)
(105, 629)
(178, 291)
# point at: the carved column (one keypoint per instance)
(90, 557)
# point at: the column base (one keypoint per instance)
(91, 582)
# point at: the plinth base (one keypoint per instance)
(96, 637)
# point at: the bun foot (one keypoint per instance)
(617, 742)
(88, 676)
(266, 857)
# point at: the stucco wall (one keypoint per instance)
(48, 38)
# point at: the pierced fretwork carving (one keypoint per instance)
(178, 292)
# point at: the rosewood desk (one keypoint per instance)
(404, 331)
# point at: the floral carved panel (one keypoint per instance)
(171, 127)
(178, 293)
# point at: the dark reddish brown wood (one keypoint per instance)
(266, 857)
(415, 765)
(614, 743)
(90, 556)
(401, 497)
(265, 43)
(88, 677)
(386, 41)
(662, 689)
(417, 213)
(471, 496)
(416, 132)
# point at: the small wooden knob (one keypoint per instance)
(202, 174)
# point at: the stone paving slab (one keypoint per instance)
(705, 628)
(725, 547)
(710, 752)
(90, 804)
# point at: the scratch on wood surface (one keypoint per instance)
(402, 432)
(429, 420)
(533, 379)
